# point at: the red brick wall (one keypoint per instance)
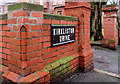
(110, 27)
(31, 57)
(51, 54)
(30, 43)
(82, 10)
(5, 42)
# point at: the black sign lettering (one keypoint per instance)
(62, 34)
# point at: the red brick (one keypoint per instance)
(41, 80)
(1, 38)
(7, 51)
(5, 62)
(37, 67)
(26, 71)
(15, 55)
(40, 21)
(46, 44)
(3, 33)
(38, 40)
(47, 78)
(63, 22)
(20, 20)
(0, 27)
(34, 41)
(13, 34)
(36, 27)
(30, 78)
(45, 33)
(32, 62)
(43, 51)
(40, 34)
(4, 56)
(14, 48)
(15, 41)
(24, 57)
(31, 48)
(6, 39)
(25, 20)
(16, 27)
(25, 42)
(14, 69)
(22, 49)
(13, 77)
(39, 46)
(20, 13)
(40, 60)
(41, 73)
(4, 44)
(31, 34)
(4, 69)
(45, 27)
(55, 22)
(12, 21)
(22, 35)
(44, 39)
(14, 62)
(5, 74)
(34, 54)
(5, 27)
(47, 21)
(3, 22)
(37, 14)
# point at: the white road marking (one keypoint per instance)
(108, 73)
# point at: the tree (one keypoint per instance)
(96, 21)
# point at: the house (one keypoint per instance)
(50, 6)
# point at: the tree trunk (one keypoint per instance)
(96, 21)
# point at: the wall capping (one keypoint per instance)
(25, 6)
(59, 17)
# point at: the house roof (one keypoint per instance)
(59, 6)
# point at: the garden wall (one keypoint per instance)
(27, 54)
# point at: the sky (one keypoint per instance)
(5, 1)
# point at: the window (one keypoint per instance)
(59, 12)
(34, 1)
(41, 2)
(60, 2)
(6, 9)
(54, 2)
(0, 10)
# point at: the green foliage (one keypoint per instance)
(3, 16)
(112, 41)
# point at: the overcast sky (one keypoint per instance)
(3, 1)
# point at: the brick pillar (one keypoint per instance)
(82, 10)
(110, 39)
(26, 64)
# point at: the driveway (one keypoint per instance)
(105, 60)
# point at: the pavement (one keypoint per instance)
(104, 59)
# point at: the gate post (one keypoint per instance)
(110, 39)
(25, 64)
(82, 10)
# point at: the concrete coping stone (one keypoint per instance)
(25, 6)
